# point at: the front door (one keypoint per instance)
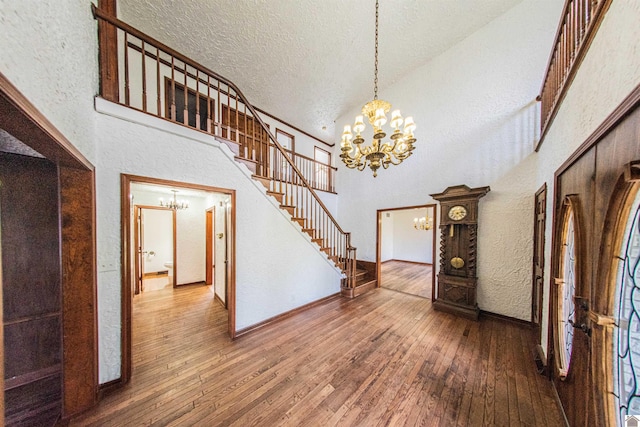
(572, 276)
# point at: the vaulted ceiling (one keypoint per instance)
(305, 61)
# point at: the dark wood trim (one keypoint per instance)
(541, 191)
(616, 116)
(272, 320)
(210, 225)
(109, 387)
(76, 192)
(108, 53)
(230, 292)
(293, 127)
(508, 319)
(22, 119)
(79, 296)
(573, 69)
(126, 292)
(433, 247)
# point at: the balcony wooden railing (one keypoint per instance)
(320, 175)
(579, 23)
(157, 80)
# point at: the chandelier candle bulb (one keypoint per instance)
(396, 119)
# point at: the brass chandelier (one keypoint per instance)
(379, 153)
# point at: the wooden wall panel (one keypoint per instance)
(79, 298)
(31, 289)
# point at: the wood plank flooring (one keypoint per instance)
(407, 277)
(383, 359)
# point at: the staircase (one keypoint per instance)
(288, 190)
(365, 281)
(203, 100)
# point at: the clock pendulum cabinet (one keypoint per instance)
(457, 279)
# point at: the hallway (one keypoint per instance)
(411, 278)
(385, 358)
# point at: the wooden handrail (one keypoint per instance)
(576, 30)
(231, 122)
(294, 154)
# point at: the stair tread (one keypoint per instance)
(364, 281)
(245, 159)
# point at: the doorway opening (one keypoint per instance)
(154, 242)
(406, 249)
(184, 242)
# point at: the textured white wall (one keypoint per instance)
(410, 244)
(386, 237)
(609, 72)
(277, 266)
(49, 50)
(475, 111)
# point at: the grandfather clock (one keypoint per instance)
(457, 279)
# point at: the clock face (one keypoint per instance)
(457, 212)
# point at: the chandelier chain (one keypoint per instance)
(375, 78)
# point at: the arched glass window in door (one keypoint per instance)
(566, 292)
(626, 346)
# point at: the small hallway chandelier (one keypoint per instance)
(377, 154)
(424, 223)
(174, 204)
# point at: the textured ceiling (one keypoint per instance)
(305, 61)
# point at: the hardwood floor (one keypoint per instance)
(385, 358)
(407, 277)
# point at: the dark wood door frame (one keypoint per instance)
(138, 240)
(537, 285)
(76, 192)
(209, 251)
(126, 293)
(379, 241)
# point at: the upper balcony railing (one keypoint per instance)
(579, 23)
(142, 73)
(152, 77)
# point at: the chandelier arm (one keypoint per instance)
(391, 161)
